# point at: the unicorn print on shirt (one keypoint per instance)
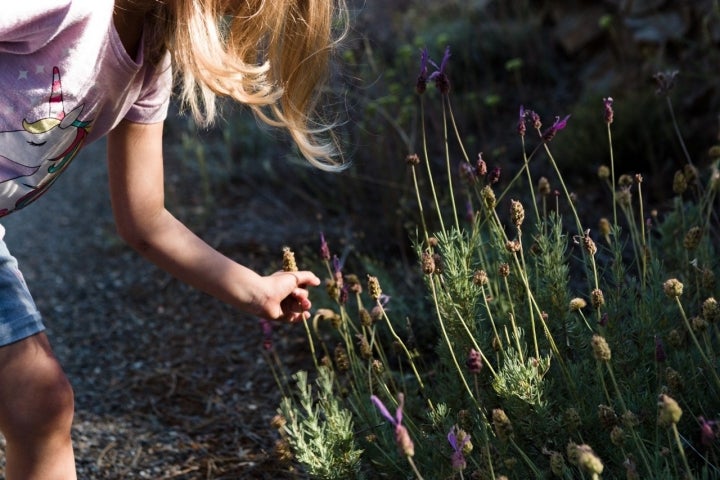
(33, 157)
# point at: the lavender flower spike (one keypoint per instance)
(458, 458)
(556, 127)
(422, 79)
(402, 437)
(442, 82)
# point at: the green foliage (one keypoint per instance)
(320, 430)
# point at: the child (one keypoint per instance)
(72, 71)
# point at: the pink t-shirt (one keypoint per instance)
(65, 81)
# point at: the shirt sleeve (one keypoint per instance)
(26, 26)
(154, 99)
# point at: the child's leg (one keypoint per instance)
(36, 411)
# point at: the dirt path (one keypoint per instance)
(169, 383)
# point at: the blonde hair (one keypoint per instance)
(271, 55)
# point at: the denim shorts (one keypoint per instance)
(19, 317)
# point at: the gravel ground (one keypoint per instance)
(169, 383)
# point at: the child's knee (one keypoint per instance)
(43, 406)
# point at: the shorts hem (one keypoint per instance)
(26, 327)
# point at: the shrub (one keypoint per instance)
(570, 340)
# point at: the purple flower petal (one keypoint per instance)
(383, 411)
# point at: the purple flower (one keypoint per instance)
(474, 361)
(521, 128)
(608, 110)
(458, 458)
(422, 78)
(324, 248)
(494, 176)
(535, 119)
(402, 437)
(442, 82)
(708, 431)
(556, 127)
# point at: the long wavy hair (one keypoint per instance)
(271, 55)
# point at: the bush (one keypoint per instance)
(568, 342)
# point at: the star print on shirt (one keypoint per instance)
(22, 74)
(40, 69)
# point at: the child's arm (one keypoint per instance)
(136, 188)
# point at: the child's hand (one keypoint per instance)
(287, 298)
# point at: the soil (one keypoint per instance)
(169, 383)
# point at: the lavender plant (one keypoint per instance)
(567, 345)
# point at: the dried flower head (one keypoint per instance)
(488, 197)
(353, 283)
(669, 412)
(707, 280)
(589, 244)
(674, 380)
(597, 298)
(629, 419)
(557, 464)
(366, 319)
(589, 461)
(278, 421)
(480, 278)
(517, 213)
(577, 304)
(365, 348)
(601, 349)
(282, 450)
(544, 186)
(374, 289)
(665, 81)
(603, 172)
(673, 288)
(504, 270)
(692, 238)
(428, 263)
(623, 197)
(412, 159)
(617, 436)
(680, 183)
(711, 310)
(502, 425)
(572, 419)
(625, 181)
(676, 338)
(604, 227)
(288, 260)
(513, 246)
(691, 173)
(607, 416)
(342, 361)
(698, 324)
